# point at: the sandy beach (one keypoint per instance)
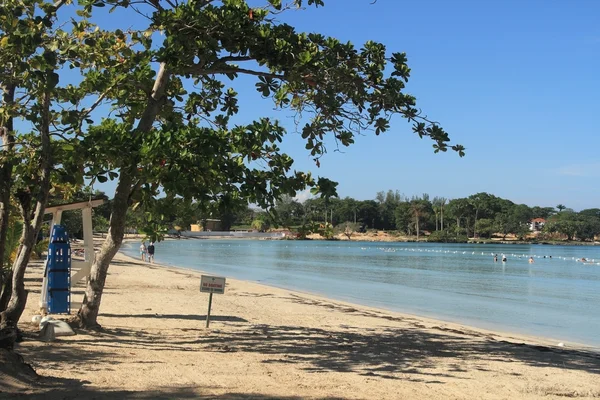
(270, 343)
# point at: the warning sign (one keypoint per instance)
(212, 284)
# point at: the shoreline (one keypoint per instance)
(496, 332)
(268, 343)
(385, 239)
(491, 329)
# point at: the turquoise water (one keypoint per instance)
(557, 298)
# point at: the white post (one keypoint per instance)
(88, 245)
(88, 235)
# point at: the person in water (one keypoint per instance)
(496, 258)
(503, 258)
(531, 261)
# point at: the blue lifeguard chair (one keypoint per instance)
(58, 269)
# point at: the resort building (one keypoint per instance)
(536, 225)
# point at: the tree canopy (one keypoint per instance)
(152, 107)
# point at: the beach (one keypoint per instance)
(271, 343)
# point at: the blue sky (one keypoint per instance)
(516, 82)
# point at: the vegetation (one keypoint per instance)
(151, 107)
(481, 216)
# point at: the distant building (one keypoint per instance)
(210, 225)
(536, 225)
(196, 228)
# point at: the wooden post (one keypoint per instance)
(208, 313)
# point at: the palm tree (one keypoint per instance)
(418, 210)
(561, 207)
(438, 204)
(442, 203)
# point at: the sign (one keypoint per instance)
(212, 284)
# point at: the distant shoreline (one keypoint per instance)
(385, 238)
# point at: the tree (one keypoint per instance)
(327, 189)
(442, 203)
(438, 204)
(480, 202)
(261, 224)
(404, 218)
(288, 211)
(542, 212)
(169, 129)
(367, 213)
(418, 209)
(485, 227)
(348, 229)
(565, 223)
(560, 207)
(347, 210)
(28, 60)
(459, 209)
(387, 206)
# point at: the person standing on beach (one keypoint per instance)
(151, 253)
(143, 251)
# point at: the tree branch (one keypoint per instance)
(102, 96)
(235, 58)
(198, 70)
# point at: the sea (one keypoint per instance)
(557, 297)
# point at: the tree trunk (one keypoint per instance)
(442, 217)
(31, 226)
(88, 313)
(8, 142)
(417, 221)
(457, 226)
(6, 291)
(475, 224)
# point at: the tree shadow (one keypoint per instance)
(72, 392)
(187, 317)
(390, 351)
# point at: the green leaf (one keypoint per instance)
(53, 79)
(276, 4)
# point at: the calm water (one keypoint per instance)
(557, 298)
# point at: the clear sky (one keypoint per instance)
(516, 82)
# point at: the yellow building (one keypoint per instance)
(210, 225)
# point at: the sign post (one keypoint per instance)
(211, 284)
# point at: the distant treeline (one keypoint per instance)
(481, 215)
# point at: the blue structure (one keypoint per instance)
(58, 269)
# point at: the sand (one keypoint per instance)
(270, 343)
